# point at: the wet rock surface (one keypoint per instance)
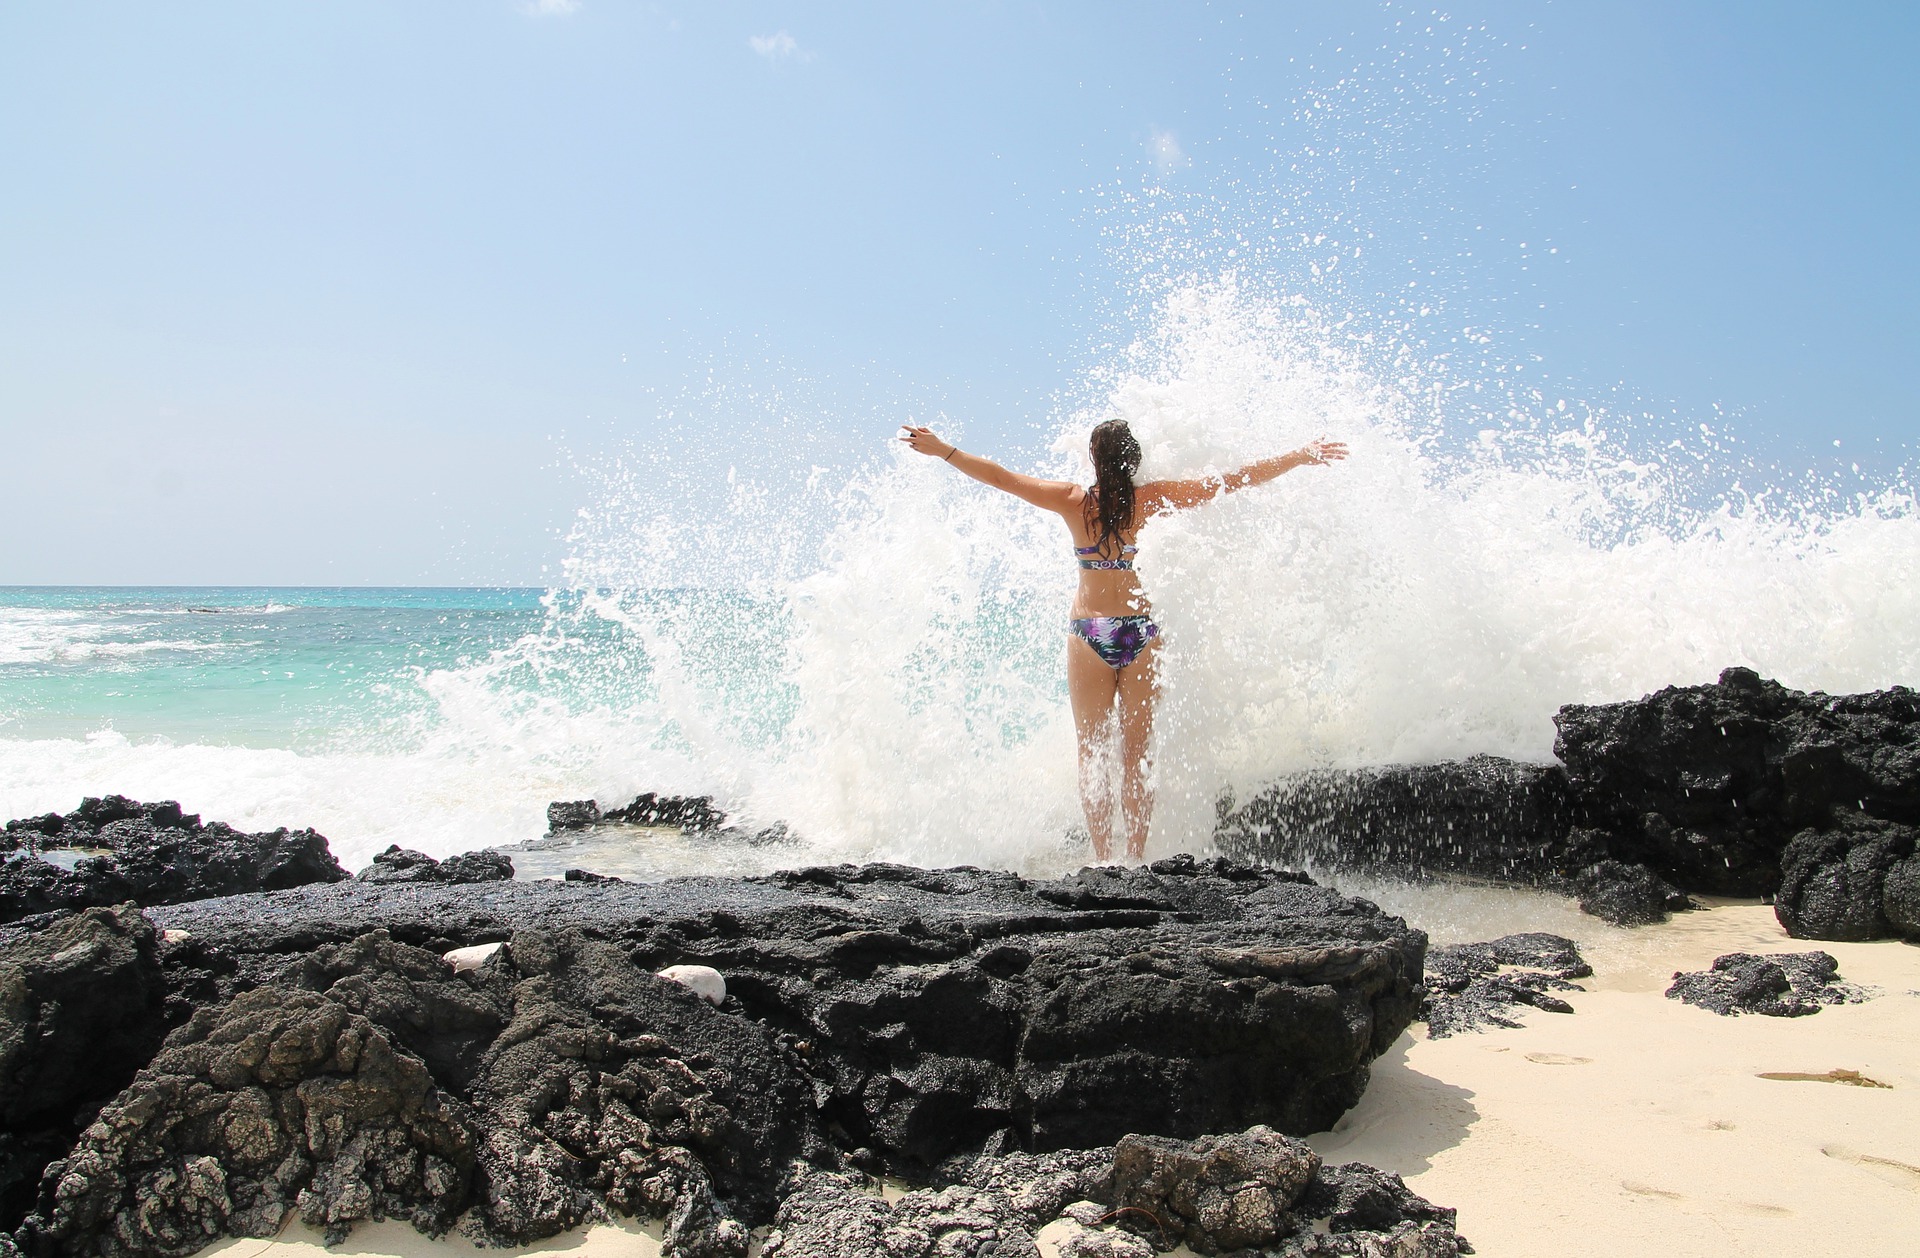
(1473, 986)
(148, 854)
(1857, 881)
(1483, 816)
(694, 814)
(1627, 895)
(1779, 985)
(80, 1011)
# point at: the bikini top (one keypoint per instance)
(1105, 565)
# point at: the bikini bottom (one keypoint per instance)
(1118, 639)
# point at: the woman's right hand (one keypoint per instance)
(923, 441)
(1323, 451)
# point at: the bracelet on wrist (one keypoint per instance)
(951, 451)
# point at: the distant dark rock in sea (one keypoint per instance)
(694, 814)
(148, 854)
(876, 1017)
(691, 814)
(1780, 985)
(399, 864)
(1691, 789)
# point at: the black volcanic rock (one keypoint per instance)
(934, 1011)
(1475, 985)
(572, 814)
(1780, 985)
(1484, 816)
(1707, 784)
(958, 1027)
(1214, 1192)
(1356, 1197)
(80, 1011)
(1858, 881)
(84, 825)
(694, 814)
(277, 1101)
(400, 864)
(153, 854)
(1627, 895)
(1690, 789)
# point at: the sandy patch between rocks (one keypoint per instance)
(1639, 1125)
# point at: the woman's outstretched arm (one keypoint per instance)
(1175, 495)
(1053, 495)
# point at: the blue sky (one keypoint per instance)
(336, 292)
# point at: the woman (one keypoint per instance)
(1111, 635)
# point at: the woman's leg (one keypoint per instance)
(1091, 686)
(1139, 687)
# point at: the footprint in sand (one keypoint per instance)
(1904, 1174)
(1851, 1077)
(1648, 1190)
(1559, 1059)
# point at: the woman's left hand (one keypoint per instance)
(923, 441)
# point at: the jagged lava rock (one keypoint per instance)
(154, 854)
(82, 827)
(695, 814)
(1698, 787)
(1211, 1191)
(276, 1101)
(1858, 881)
(80, 1011)
(1780, 985)
(1466, 990)
(1706, 784)
(935, 1010)
(1627, 895)
(1219, 1193)
(370, 1080)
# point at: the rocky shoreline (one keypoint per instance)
(321, 1058)
(204, 1032)
(1739, 788)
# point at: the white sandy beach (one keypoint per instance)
(1637, 1125)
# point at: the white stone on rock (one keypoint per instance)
(705, 981)
(464, 959)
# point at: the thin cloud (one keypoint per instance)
(1163, 148)
(778, 46)
(549, 8)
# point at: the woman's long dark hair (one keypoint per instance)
(1109, 508)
